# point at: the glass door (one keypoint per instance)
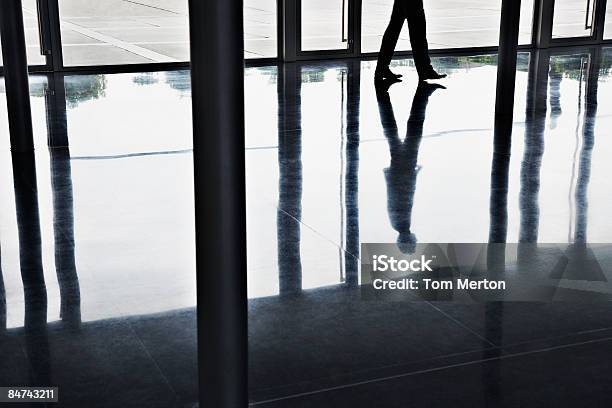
(573, 18)
(577, 21)
(34, 34)
(325, 27)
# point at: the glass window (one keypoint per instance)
(450, 23)
(573, 18)
(324, 24)
(30, 23)
(260, 29)
(113, 32)
(608, 25)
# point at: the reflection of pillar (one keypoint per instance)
(586, 151)
(535, 122)
(2, 299)
(28, 222)
(63, 227)
(496, 255)
(351, 255)
(498, 228)
(63, 207)
(30, 258)
(504, 111)
(498, 210)
(556, 76)
(290, 181)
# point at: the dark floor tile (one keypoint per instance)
(333, 332)
(514, 322)
(100, 364)
(171, 340)
(576, 376)
(14, 369)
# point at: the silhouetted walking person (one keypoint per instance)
(401, 175)
(413, 12)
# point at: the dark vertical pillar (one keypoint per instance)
(217, 79)
(599, 21)
(543, 23)
(504, 110)
(16, 76)
(57, 120)
(289, 40)
(351, 201)
(506, 65)
(55, 34)
(289, 213)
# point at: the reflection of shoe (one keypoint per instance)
(385, 73)
(426, 89)
(430, 88)
(431, 74)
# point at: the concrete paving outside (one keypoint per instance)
(143, 31)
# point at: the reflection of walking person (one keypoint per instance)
(401, 175)
(413, 12)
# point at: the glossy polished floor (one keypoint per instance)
(97, 292)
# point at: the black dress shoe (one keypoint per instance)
(385, 73)
(431, 75)
(383, 85)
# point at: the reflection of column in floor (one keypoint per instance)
(63, 227)
(30, 258)
(351, 200)
(63, 207)
(2, 298)
(498, 208)
(289, 211)
(535, 123)
(586, 151)
(556, 76)
(496, 255)
(498, 228)
(583, 264)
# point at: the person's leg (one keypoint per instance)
(417, 26)
(389, 40)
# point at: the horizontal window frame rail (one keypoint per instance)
(255, 62)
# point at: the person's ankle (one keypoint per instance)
(385, 72)
(430, 73)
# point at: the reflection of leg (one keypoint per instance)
(419, 107)
(389, 41)
(387, 117)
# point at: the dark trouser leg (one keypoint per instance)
(418, 36)
(391, 35)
